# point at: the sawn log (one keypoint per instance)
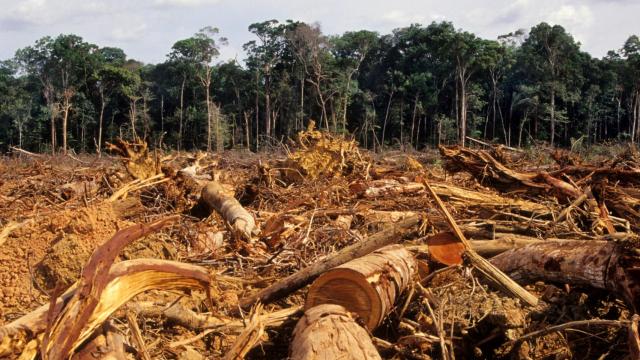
(329, 332)
(367, 286)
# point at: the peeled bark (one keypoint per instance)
(330, 332)
(367, 286)
(601, 264)
(241, 221)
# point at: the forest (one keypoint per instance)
(417, 87)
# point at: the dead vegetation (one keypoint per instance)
(192, 256)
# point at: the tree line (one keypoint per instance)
(416, 87)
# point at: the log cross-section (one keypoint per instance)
(367, 286)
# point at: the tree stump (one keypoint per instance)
(330, 332)
(367, 286)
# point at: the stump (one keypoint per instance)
(367, 286)
(330, 332)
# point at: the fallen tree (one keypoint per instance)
(330, 332)
(242, 222)
(601, 264)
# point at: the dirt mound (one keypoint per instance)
(52, 247)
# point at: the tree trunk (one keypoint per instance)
(367, 286)
(241, 221)
(267, 104)
(184, 79)
(413, 120)
(65, 118)
(301, 118)
(53, 130)
(328, 332)
(100, 120)
(257, 100)
(207, 82)
(386, 117)
(463, 108)
(600, 264)
(553, 115)
(247, 130)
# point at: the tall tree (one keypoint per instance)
(551, 53)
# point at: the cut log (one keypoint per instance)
(367, 286)
(301, 278)
(242, 223)
(329, 332)
(600, 264)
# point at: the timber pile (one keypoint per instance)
(323, 251)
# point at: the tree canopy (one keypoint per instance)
(418, 86)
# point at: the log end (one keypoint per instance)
(350, 289)
(329, 332)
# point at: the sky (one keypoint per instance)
(146, 29)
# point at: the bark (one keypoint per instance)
(247, 130)
(301, 278)
(463, 107)
(330, 332)
(241, 221)
(386, 118)
(184, 79)
(553, 115)
(66, 108)
(601, 264)
(367, 286)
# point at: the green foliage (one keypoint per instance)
(419, 85)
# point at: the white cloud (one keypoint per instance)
(400, 18)
(186, 2)
(128, 33)
(569, 15)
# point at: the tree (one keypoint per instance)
(550, 54)
(199, 51)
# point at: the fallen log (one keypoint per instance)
(242, 222)
(301, 278)
(330, 332)
(367, 286)
(601, 264)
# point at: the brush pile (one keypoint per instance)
(325, 251)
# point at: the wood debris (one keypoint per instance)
(344, 254)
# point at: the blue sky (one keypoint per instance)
(146, 29)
